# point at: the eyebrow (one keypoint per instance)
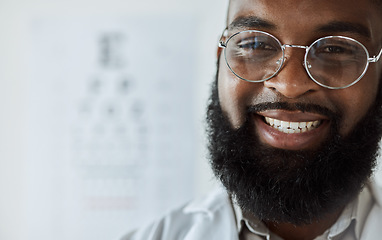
(250, 22)
(331, 27)
(345, 27)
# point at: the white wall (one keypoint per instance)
(15, 27)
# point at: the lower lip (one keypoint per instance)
(291, 141)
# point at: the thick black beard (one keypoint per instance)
(298, 187)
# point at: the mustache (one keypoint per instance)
(303, 107)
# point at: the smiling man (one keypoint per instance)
(294, 122)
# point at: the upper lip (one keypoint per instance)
(292, 116)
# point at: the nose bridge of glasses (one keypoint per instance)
(294, 79)
(295, 46)
(285, 46)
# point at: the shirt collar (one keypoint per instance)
(348, 215)
(366, 199)
(258, 228)
(356, 211)
(255, 226)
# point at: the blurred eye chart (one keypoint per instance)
(111, 137)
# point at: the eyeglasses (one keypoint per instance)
(333, 62)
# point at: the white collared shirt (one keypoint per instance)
(214, 218)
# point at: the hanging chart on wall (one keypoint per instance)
(110, 113)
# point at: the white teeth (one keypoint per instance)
(292, 127)
(285, 125)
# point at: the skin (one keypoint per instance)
(299, 25)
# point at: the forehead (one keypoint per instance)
(300, 16)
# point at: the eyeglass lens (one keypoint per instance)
(332, 61)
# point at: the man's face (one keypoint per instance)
(300, 23)
(297, 177)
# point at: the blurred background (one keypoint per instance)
(102, 113)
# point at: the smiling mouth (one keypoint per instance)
(292, 127)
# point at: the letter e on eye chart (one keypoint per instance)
(110, 136)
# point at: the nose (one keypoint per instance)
(292, 81)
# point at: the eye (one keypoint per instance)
(253, 47)
(336, 47)
(336, 50)
(256, 44)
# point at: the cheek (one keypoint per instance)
(233, 95)
(356, 101)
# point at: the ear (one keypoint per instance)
(221, 42)
(218, 52)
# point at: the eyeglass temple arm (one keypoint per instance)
(222, 44)
(376, 58)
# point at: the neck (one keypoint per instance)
(303, 232)
(288, 231)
